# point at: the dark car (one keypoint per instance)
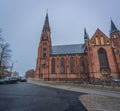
(2, 81)
(13, 80)
(6, 80)
(116, 80)
(109, 80)
(10, 80)
(16, 77)
(23, 79)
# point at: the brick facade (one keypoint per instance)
(86, 64)
(30, 73)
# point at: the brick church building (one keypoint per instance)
(98, 57)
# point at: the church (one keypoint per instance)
(97, 57)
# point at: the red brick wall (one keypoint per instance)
(91, 60)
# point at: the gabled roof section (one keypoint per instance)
(113, 27)
(99, 33)
(67, 49)
(99, 38)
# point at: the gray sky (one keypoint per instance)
(22, 21)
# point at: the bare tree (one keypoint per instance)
(5, 55)
(5, 52)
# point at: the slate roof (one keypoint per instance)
(113, 27)
(46, 23)
(68, 49)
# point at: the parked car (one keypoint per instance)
(13, 80)
(23, 79)
(108, 80)
(10, 80)
(7, 80)
(2, 81)
(16, 77)
(116, 80)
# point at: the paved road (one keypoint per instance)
(77, 88)
(29, 97)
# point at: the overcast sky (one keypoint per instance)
(22, 21)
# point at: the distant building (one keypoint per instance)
(14, 73)
(30, 73)
(7, 73)
(98, 57)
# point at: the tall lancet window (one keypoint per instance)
(103, 60)
(44, 52)
(62, 65)
(53, 66)
(72, 65)
(82, 65)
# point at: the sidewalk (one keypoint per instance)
(96, 99)
(100, 103)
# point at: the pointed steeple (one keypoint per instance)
(46, 23)
(46, 33)
(113, 27)
(86, 36)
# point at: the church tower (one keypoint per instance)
(114, 35)
(115, 41)
(44, 51)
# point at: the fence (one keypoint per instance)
(100, 83)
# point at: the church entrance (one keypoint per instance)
(106, 73)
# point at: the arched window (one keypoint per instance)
(62, 66)
(44, 52)
(103, 60)
(53, 66)
(72, 66)
(82, 65)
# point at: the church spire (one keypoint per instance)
(86, 36)
(46, 23)
(113, 27)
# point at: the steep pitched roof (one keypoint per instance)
(86, 36)
(113, 27)
(46, 23)
(98, 31)
(68, 49)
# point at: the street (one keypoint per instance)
(29, 97)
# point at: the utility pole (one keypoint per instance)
(11, 68)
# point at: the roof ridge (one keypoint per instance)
(68, 44)
(67, 49)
